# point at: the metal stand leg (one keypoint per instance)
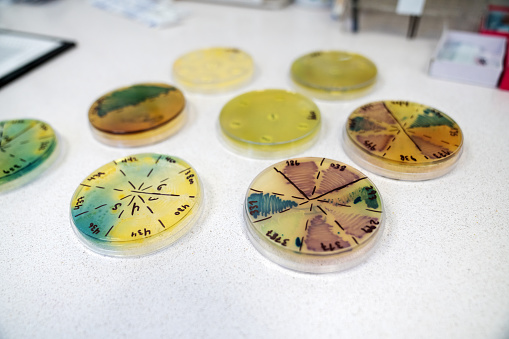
(355, 16)
(413, 25)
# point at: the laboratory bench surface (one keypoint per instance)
(441, 269)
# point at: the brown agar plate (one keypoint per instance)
(138, 115)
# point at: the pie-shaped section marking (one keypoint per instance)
(403, 140)
(314, 207)
(137, 204)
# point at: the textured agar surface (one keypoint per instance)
(135, 198)
(314, 206)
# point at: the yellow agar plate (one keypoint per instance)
(403, 140)
(136, 205)
(270, 123)
(213, 69)
(137, 115)
(314, 214)
(27, 148)
(333, 74)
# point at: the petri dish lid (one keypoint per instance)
(27, 148)
(213, 69)
(403, 140)
(314, 214)
(333, 72)
(137, 115)
(269, 123)
(136, 205)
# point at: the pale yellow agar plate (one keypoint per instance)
(333, 74)
(138, 115)
(403, 140)
(213, 69)
(270, 123)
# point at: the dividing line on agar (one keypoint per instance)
(262, 219)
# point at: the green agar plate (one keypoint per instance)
(403, 140)
(213, 69)
(314, 214)
(27, 148)
(138, 115)
(136, 205)
(270, 123)
(333, 74)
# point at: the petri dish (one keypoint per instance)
(333, 74)
(136, 205)
(314, 214)
(27, 148)
(137, 115)
(403, 140)
(269, 123)
(213, 69)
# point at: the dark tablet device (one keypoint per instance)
(21, 52)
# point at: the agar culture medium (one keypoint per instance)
(215, 69)
(314, 214)
(138, 115)
(27, 148)
(136, 205)
(403, 140)
(333, 74)
(269, 123)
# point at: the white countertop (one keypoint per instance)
(441, 270)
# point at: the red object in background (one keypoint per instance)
(484, 30)
(504, 78)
